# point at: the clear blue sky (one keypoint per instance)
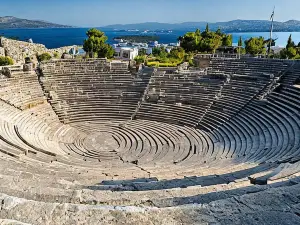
(89, 13)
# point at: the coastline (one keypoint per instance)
(59, 37)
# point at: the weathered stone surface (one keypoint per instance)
(2, 51)
(19, 50)
(82, 142)
(12, 222)
(28, 67)
(67, 56)
(275, 206)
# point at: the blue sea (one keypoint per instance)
(58, 37)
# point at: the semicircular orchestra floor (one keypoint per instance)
(142, 142)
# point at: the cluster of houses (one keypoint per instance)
(123, 50)
(128, 51)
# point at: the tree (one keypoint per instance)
(255, 46)
(240, 42)
(156, 51)
(207, 28)
(241, 50)
(207, 41)
(44, 57)
(96, 33)
(291, 53)
(163, 54)
(206, 32)
(227, 40)
(210, 43)
(219, 32)
(142, 52)
(6, 61)
(106, 51)
(198, 33)
(95, 43)
(290, 43)
(197, 37)
(177, 53)
(190, 41)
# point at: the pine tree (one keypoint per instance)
(95, 44)
(290, 43)
(240, 43)
(198, 32)
(207, 28)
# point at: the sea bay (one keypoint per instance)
(58, 37)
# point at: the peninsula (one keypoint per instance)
(8, 22)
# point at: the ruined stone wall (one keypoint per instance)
(2, 51)
(202, 60)
(19, 50)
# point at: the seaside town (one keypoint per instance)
(149, 51)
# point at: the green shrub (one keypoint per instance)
(55, 55)
(6, 61)
(158, 64)
(44, 57)
(140, 59)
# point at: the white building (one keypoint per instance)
(149, 51)
(126, 53)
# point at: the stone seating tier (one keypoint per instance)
(112, 146)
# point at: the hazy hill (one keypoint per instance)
(7, 22)
(230, 26)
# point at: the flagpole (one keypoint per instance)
(271, 31)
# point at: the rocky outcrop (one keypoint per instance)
(19, 50)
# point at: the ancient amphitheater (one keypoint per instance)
(88, 142)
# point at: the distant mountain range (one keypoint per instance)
(7, 22)
(230, 26)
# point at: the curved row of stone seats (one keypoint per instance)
(263, 133)
(84, 66)
(71, 65)
(248, 66)
(144, 163)
(74, 93)
(43, 112)
(29, 132)
(37, 138)
(292, 75)
(179, 98)
(250, 212)
(21, 90)
(156, 170)
(46, 179)
(227, 104)
(54, 190)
